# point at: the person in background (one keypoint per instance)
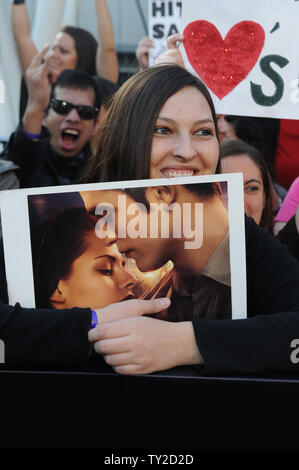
(8, 177)
(237, 156)
(290, 204)
(225, 128)
(142, 52)
(73, 48)
(51, 144)
(286, 223)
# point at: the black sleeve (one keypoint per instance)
(45, 337)
(262, 342)
(289, 236)
(28, 155)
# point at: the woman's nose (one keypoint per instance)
(184, 148)
(127, 280)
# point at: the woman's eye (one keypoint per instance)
(106, 272)
(162, 130)
(251, 189)
(204, 132)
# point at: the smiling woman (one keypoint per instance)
(176, 134)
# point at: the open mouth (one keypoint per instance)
(69, 138)
(176, 173)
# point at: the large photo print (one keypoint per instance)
(93, 245)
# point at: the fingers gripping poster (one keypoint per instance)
(246, 53)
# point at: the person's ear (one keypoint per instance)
(160, 194)
(58, 297)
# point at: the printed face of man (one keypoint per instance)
(130, 219)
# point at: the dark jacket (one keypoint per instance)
(262, 342)
(8, 178)
(39, 164)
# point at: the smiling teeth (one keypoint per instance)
(71, 132)
(178, 173)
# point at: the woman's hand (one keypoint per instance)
(142, 52)
(172, 55)
(142, 345)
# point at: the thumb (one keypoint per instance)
(131, 308)
(153, 306)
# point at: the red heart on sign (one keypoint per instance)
(223, 64)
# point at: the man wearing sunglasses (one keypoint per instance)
(51, 144)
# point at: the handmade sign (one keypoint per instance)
(246, 53)
(69, 242)
(164, 20)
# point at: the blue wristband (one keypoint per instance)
(94, 319)
(32, 136)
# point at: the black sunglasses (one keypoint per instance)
(64, 107)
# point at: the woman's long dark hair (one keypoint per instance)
(239, 148)
(125, 142)
(56, 244)
(86, 48)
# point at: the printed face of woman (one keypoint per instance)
(254, 192)
(98, 277)
(150, 253)
(184, 141)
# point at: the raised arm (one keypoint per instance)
(106, 60)
(39, 90)
(21, 31)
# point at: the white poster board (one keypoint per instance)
(164, 20)
(246, 52)
(26, 210)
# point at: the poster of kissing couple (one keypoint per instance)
(97, 244)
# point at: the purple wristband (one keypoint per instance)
(32, 136)
(94, 319)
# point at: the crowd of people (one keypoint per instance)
(77, 125)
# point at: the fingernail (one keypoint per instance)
(165, 302)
